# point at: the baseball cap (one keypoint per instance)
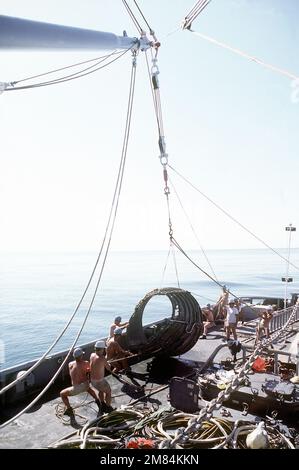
(78, 352)
(118, 331)
(100, 345)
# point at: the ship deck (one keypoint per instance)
(41, 427)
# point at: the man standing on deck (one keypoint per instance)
(264, 323)
(79, 372)
(231, 320)
(209, 320)
(115, 351)
(98, 364)
(220, 307)
(239, 306)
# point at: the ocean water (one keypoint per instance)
(40, 291)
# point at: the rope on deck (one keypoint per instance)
(206, 413)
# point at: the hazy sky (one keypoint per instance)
(231, 127)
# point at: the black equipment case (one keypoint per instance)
(183, 394)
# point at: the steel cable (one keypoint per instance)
(66, 79)
(193, 230)
(286, 73)
(31, 369)
(133, 17)
(194, 12)
(231, 217)
(64, 68)
(116, 197)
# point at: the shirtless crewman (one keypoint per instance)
(117, 324)
(98, 364)
(264, 323)
(115, 351)
(209, 320)
(79, 371)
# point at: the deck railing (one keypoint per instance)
(280, 318)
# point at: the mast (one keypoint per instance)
(288, 279)
(19, 33)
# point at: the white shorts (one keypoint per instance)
(76, 389)
(101, 385)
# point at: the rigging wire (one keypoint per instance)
(155, 73)
(172, 32)
(152, 33)
(196, 7)
(164, 157)
(87, 68)
(31, 369)
(194, 12)
(64, 68)
(176, 244)
(152, 90)
(155, 87)
(133, 18)
(41, 359)
(175, 266)
(231, 217)
(203, 297)
(193, 230)
(286, 73)
(150, 29)
(66, 79)
(164, 160)
(165, 266)
(114, 207)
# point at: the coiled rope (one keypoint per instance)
(206, 413)
(145, 428)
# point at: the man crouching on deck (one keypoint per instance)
(79, 372)
(98, 363)
(116, 354)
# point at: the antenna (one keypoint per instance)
(288, 279)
